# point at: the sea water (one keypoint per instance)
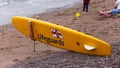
(9, 8)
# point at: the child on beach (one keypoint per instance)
(114, 11)
(104, 9)
(85, 5)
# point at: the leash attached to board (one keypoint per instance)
(31, 32)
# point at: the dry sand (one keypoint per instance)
(15, 47)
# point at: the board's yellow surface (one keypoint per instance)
(61, 37)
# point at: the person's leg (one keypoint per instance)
(87, 7)
(107, 12)
(115, 11)
(83, 7)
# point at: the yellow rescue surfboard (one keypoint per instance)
(61, 37)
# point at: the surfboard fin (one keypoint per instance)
(88, 47)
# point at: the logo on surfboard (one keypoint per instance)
(50, 40)
(56, 33)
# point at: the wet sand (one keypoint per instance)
(17, 49)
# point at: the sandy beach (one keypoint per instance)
(16, 50)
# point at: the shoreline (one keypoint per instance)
(17, 49)
(37, 8)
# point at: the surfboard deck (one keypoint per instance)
(61, 37)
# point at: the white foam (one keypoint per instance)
(29, 7)
(3, 3)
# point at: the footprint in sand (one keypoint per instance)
(15, 60)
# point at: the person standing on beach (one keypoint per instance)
(85, 5)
